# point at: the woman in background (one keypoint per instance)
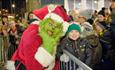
(4, 32)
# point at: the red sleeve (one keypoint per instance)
(57, 65)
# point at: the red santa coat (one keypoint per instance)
(27, 48)
(30, 44)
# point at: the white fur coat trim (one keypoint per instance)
(43, 57)
(35, 17)
(55, 17)
(35, 22)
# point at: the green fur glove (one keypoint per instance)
(50, 31)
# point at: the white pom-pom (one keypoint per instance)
(51, 7)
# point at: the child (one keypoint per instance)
(76, 46)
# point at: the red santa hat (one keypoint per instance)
(61, 12)
(55, 9)
(40, 13)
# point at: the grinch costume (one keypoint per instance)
(36, 50)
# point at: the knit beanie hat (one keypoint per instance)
(101, 13)
(74, 27)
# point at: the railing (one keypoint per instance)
(77, 61)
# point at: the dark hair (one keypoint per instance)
(103, 8)
(95, 11)
(110, 9)
(101, 13)
(4, 16)
(29, 15)
(90, 21)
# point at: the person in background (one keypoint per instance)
(102, 10)
(19, 29)
(5, 32)
(24, 23)
(94, 15)
(85, 26)
(30, 16)
(86, 29)
(75, 15)
(112, 30)
(107, 16)
(1, 43)
(105, 40)
(12, 39)
(101, 20)
(89, 34)
(76, 46)
(82, 20)
(70, 15)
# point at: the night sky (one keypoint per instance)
(6, 4)
(20, 4)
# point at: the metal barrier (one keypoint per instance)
(77, 61)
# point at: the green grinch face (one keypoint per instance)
(51, 28)
(51, 32)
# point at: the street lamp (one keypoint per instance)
(95, 2)
(13, 5)
(13, 8)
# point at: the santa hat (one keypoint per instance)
(40, 13)
(55, 9)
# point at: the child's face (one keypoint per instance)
(74, 35)
(100, 18)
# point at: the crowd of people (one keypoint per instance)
(89, 39)
(97, 30)
(11, 30)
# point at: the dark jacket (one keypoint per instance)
(103, 23)
(106, 39)
(97, 50)
(79, 48)
(112, 30)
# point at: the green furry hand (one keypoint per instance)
(48, 43)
